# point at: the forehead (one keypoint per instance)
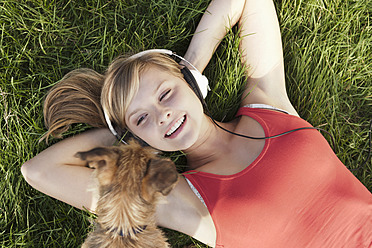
(150, 80)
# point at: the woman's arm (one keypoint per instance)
(260, 45)
(57, 173)
(262, 54)
(212, 28)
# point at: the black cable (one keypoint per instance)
(304, 128)
(205, 106)
(277, 135)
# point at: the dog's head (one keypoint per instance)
(137, 170)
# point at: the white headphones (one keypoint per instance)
(200, 79)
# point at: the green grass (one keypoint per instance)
(328, 59)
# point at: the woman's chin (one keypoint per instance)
(182, 145)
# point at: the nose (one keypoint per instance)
(164, 116)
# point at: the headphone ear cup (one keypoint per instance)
(189, 78)
(202, 82)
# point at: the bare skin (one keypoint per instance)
(56, 171)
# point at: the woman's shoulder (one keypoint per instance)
(259, 99)
(264, 115)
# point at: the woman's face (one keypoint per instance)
(165, 112)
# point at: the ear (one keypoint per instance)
(104, 160)
(161, 176)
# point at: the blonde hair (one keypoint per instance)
(74, 99)
(122, 82)
(81, 94)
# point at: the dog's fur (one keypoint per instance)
(131, 179)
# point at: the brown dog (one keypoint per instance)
(131, 180)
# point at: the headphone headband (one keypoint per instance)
(165, 51)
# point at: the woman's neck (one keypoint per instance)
(212, 143)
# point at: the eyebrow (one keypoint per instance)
(154, 93)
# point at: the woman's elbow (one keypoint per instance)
(31, 173)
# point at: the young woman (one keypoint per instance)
(289, 191)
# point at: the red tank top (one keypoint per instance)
(297, 193)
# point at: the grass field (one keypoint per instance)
(328, 60)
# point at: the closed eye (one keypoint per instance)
(163, 95)
(141, 119)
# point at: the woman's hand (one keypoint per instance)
(212, 28)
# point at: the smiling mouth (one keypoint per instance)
(176, 126)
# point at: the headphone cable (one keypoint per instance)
(362, 166)
(264, 138)
(277, 135)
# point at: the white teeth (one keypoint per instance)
(176, 126)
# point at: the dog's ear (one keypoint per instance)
(161, 176)
(104, 160)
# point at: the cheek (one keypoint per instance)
(195, 105)
(188, 99)
(147, 133)
(141, 132)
